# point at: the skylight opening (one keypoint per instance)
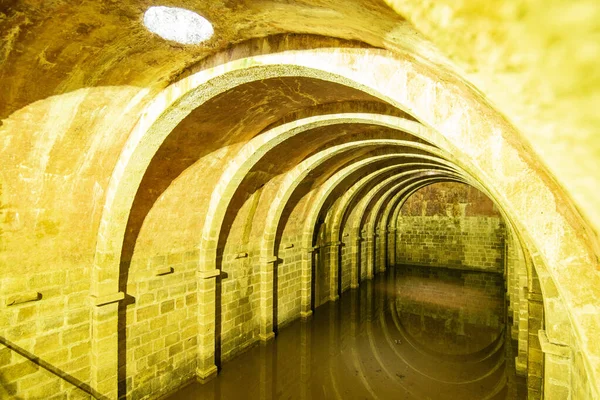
(178, 24)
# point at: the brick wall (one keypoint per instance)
(289, 273)
(161, 318)
(53, 328)
(466, 242)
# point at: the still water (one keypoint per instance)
(411, 333)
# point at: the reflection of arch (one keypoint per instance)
(514, 180)
(540, 307)
(556, 350)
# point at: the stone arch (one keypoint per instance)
(268, 243)
(308, 234)
(349, 194)
(269, 237)
(289, 182)
(256, 148)
(400, 84)
(381, 231)
(354, 236)
(362, 207)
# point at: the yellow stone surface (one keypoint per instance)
(140, 177)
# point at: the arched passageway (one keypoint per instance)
(164, 214)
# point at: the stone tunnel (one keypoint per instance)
(299, 199)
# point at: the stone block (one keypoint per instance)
(78, 316)
(80, 350)
(157, 357)
(5, 356)
(158, 323)
(51, 323)
(143, 351)
(46, 344)
(76, 334)
(172, 339)
(12, 373)
(147, 312)
(167, 306)
(175, 349)
(191, 299)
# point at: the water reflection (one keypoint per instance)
(409, 334)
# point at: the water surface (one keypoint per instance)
(411, 333)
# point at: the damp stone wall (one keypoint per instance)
(463, 243)
(450, 225)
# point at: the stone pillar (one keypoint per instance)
(369, 244)
(206, 368)
(354, 263)
(105, 344)
(334, 260)
(517, 279)
(392, 248)
(535, 358)
(266, 298)
(523, 330)
(306, 280)
(557, 368)
(383, 250)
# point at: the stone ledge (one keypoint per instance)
(23, 298)
(164, 271)
(265, 337)
(210, 274)
(514, 333)
(521, 368)
(269, 260)
(206, 375)
(559, 350)
(108, 299)
(310, 249)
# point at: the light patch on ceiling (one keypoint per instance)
(178, 24)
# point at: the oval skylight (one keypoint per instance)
(178, 24)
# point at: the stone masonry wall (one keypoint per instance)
(470, 242)
(289, 267)
(161, 318)
(44, 315)
(450, 225)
